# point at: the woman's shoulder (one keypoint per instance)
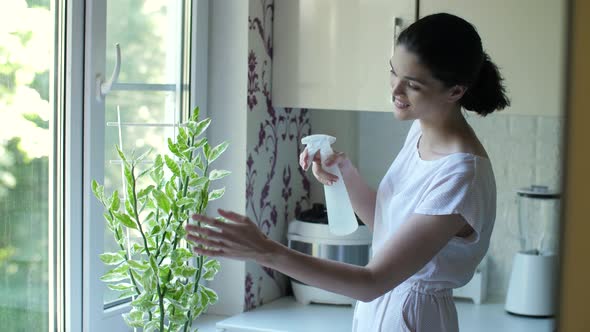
(466, 164)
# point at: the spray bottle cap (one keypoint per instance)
(317, 142)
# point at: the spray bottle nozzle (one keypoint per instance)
(318, 142)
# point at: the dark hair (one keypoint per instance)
(451, 49)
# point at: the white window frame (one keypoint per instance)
(82, 307)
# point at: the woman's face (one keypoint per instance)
(416, 94)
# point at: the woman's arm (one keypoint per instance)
(416, 242)
(362, 197)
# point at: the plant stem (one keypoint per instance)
(127, 261)
(184, 191)
(145, 244)
(200, 259)
(163, 239)
(161, 303)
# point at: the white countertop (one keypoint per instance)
(286, 315)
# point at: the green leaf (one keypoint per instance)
(163, 201)
(139, 266)
(164, 274)
(111, 276)
(142, 302)
(217, 151)
(125, 220)
(148, 281)
(202, 126)
(158, 162)
(199, 143)
(151, 326)
(209, 293)
(122, 155)
(198, 182)
(218, 174)
(187, 271)
(181, 253)
(156, 230)
(186, 201)
(178, 317)
(137, 248)
(195, 114)
(127, 293)
(154, 264)
(128, 206)
(187, 169)
(115, 201)
(128, 172)
(142, 174)
(199, 163)
(172, 166)
(117, 274)
(143, 155)
(134, 318)
(173, 148)
(157, 174)
(121, 287)
(145, 191)
(206, 150)
(211, 268)
(98, 191)
(112, 258)
(182, 136)
(170, 189)
(216, 194)
(166, 247)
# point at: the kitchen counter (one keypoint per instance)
(286, 315)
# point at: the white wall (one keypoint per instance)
(227, 85)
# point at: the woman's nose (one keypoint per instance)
(396, 86)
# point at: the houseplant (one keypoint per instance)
(158, 272)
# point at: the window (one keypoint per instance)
(142, 109)
(29, 77)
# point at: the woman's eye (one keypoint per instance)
(412, 85)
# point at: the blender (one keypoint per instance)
(532, 285)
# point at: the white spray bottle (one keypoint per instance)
(341, 218)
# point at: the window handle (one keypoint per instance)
(102, 87)
(397, 26)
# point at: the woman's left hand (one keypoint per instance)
(238, 239)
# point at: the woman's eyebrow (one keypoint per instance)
(408, 77)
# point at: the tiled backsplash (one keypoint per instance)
(524, 150)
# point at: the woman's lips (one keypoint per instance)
(399, 104)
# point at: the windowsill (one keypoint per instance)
(286, 315)
(206, 322)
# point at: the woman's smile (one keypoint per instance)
(400, 105)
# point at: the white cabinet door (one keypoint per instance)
(526, 39)
(333, 54)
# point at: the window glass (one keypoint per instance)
(27, 60)
(147, 96)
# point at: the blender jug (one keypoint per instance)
(531, 290)
(538, 213)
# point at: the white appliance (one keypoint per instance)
(309, 234)
(532, 285)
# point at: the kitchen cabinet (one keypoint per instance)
(333, 54)
(527, 40)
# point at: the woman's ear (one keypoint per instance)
(456, 93)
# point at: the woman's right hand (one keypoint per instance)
(326, 178)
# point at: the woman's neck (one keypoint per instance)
(444, 133)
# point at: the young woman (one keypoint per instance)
(434, 211)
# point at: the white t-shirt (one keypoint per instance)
(460, 183)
